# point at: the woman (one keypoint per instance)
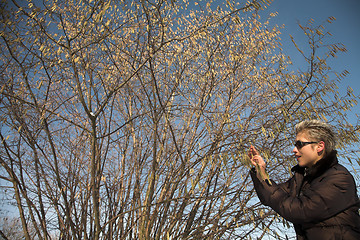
(320, 199)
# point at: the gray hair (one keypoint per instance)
(318, 131)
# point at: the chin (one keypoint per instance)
(301, 164)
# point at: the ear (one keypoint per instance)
(321, 146)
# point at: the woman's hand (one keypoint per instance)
(258, 162)
(255, 158)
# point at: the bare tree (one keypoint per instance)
(131, 119)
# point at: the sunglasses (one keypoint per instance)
(299, 144)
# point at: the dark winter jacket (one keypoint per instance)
(321, 201)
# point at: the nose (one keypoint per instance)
(295, 150)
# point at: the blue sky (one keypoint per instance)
(346, 30)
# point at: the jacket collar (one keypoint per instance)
(320, 167)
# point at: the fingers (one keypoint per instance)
(252, 152)
(256, 159)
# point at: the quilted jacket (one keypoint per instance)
(321, 201)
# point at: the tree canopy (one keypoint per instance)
(132, 119)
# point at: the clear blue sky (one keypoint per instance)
(346, 30)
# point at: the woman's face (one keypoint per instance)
(308, 154)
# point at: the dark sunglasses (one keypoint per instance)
(299, 144)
